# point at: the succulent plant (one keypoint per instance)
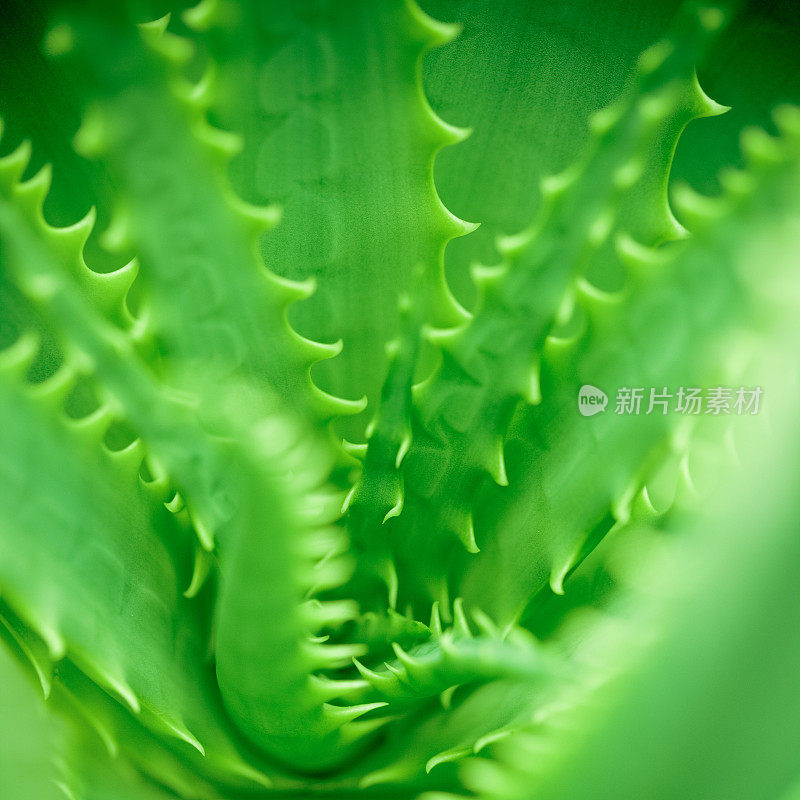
(296, 495)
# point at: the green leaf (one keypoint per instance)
(28, 738)
(572, 477)
(700, 702)
(338, 132)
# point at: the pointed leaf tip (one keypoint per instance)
(447, 756)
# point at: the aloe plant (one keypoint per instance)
(297, 498)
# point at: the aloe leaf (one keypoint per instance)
(444, 739)
(379, 631)
(309, 85)
(86, 623)
(78, 603)
(539, 71)
(736, 74)
(700, 293)
(28, 738)
(730, 728)
(491, 363)
(161, 675)
(47, 267)
(379, 493)
(213, 474)
(206, 296)
(265, 652)
(95, 778)
(455, 657)
(46, 108)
